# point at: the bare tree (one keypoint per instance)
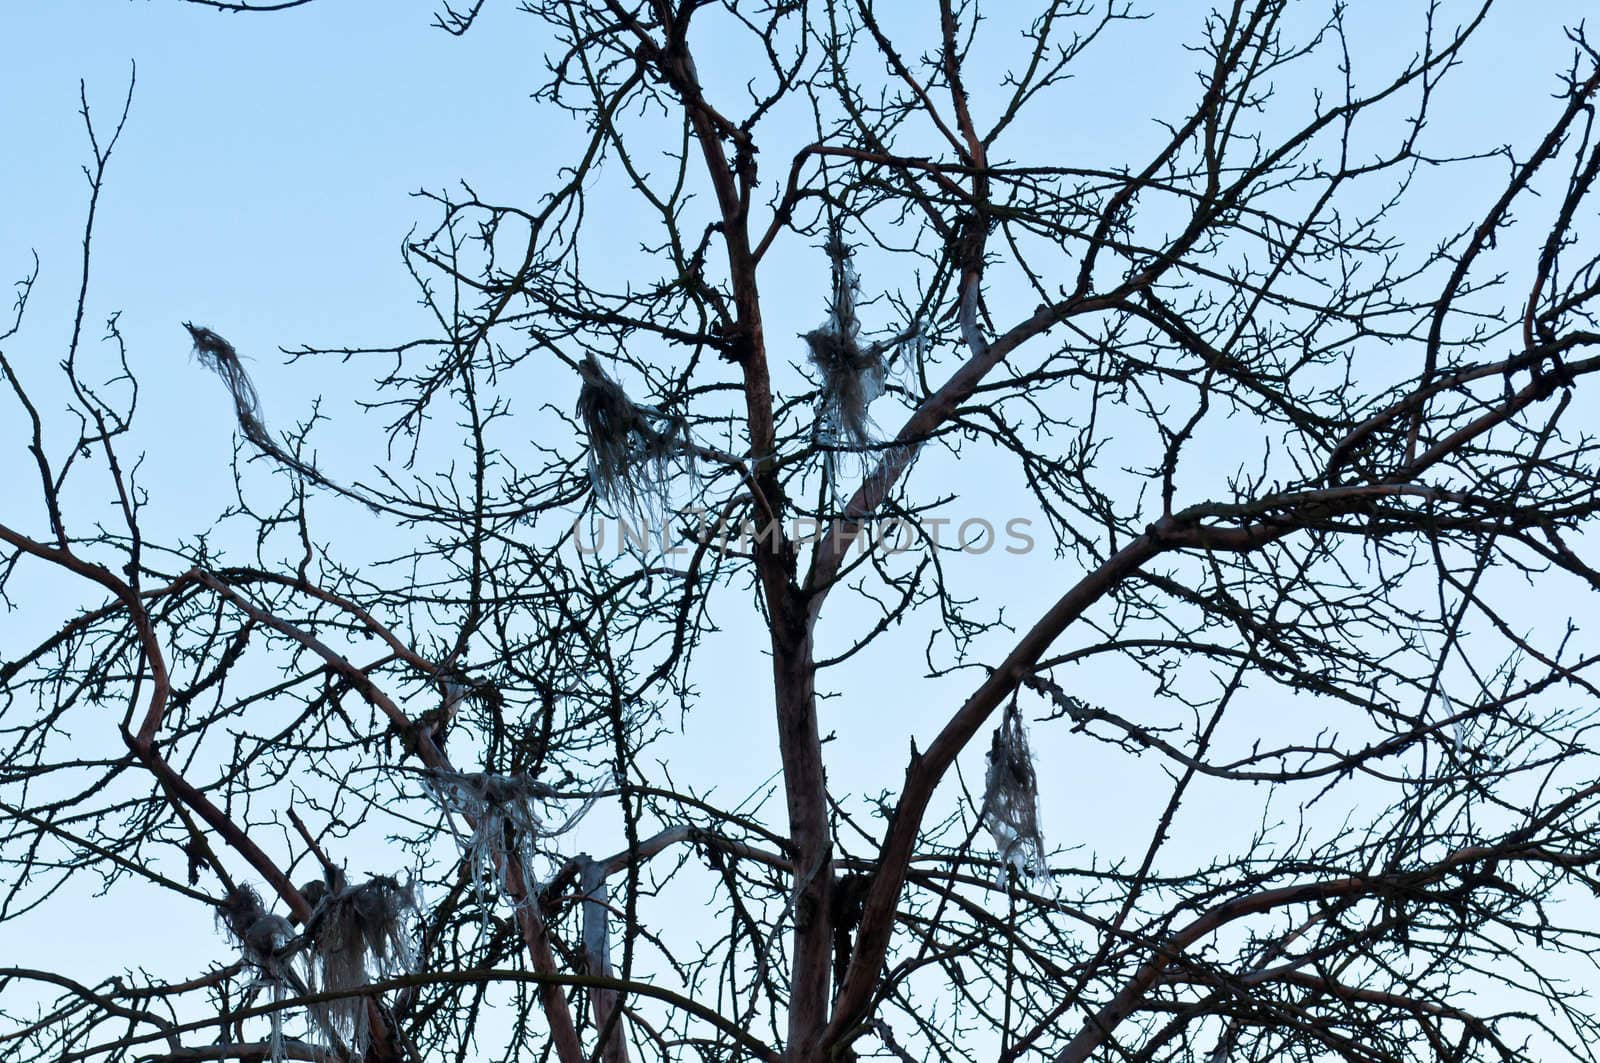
(1309, 463)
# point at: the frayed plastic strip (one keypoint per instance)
(1011, 799)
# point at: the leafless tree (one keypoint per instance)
(1309, 453)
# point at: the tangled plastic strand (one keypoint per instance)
(356, 935)
(1011, 800)
(505, 823)
(852, 375)
(218, 355)
(265, 939)
(634, 451)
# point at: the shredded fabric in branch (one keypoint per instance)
(505, 825)
(852, 375)
(266, 940)
(634, 450)
(357, 934)
(218, 355)
(1011, 800)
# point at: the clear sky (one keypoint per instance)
(263, 186)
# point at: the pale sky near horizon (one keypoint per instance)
(264, 185)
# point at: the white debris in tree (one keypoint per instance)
(218, 355)
(634, 451)
(505, 823)
(455, 691)
(913, 348)
(1011, 799)
(852, 375)
(357, 935)
(266, 941)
